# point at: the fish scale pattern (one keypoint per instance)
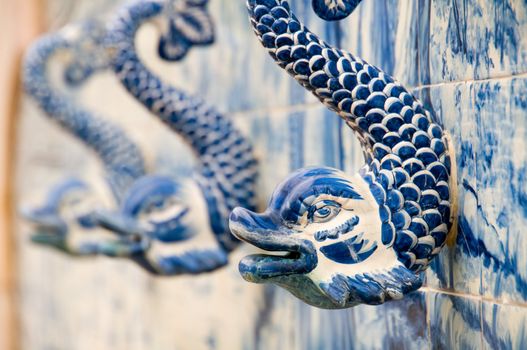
(122, 159)
(408, 164)
(227, 166)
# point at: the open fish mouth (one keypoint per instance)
(293, 255)
(48, 233)
(47, 228)
(43, 236)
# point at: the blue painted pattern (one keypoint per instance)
(408, 164)
(334, 233)
(120, 156)
(439, 50)
(171, 210)
(69, 204)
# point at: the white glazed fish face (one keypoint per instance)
(403, 218)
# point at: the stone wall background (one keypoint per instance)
(466, 59)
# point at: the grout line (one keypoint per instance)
(452, 82)
(480, 298)
(302, 106)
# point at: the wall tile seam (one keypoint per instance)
(291, 108)
(479, 298)
(468, 81)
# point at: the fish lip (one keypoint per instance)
(46, 225)
(300, 257)
(274, 238)
(48, 233)
(272, 241)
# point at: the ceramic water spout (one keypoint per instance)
(69, 207)
(186, 220)
(360, 238)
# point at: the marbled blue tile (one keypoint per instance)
(476, 39)
(454, 322)
(504, 326)
(458, 266)
(394, 325)
(501, 176)
(322, 138)
(429, 42)
(270, 135)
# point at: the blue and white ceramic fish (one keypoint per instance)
(346, 239)
(67, 219)
(185, 220)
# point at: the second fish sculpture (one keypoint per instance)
(184, 221)
(68, 221)
(360, 238)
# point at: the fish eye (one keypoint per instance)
(324, 211)
(166, 209)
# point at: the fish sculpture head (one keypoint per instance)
(163, 208)
(330, 228)
(189, 25)
(69, 206)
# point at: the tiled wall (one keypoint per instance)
(466, 59)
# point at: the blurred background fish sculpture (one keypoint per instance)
(69, 210)
(185, 221)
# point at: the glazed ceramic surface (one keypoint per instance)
(169, 226)
(334, 10)
(69, 206)
(184, 222)
(473, 296)
(350, 239)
